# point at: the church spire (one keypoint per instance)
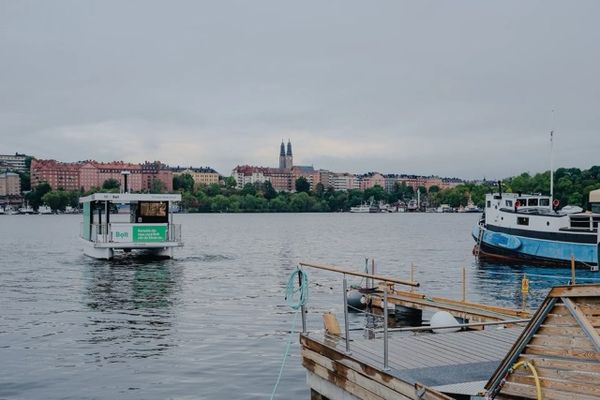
(289, 148)
(282, 149)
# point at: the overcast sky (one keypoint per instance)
(451, 88)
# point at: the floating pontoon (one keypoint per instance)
(147, 227)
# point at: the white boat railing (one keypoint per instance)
(103, 233)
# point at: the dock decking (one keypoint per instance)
(429, 359)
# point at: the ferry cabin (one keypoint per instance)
(147, 225)
(536, 213)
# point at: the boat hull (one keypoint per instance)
(507, 246)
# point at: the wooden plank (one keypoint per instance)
(562, 342)
(426, 393)
(591, 290)
(520, 390)
(565, 365)
(561, 331)
(350, 375)
(340, 381)
(583, 322)
(333, 268)
(573, 376)
(365, 369)
(559, 320)
(571, 353)
(563, 386)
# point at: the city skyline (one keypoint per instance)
(463, 89)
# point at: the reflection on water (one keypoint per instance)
(132, 302)
(501, 283)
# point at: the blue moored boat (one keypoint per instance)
(528, 228)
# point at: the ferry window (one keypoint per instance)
(522, 202)
(508, 203)
(522, 221)
(153, 209)
(544, 202)
(489, 204)
(532, 202)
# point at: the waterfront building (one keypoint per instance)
(156, 171)
(57, 174)
(14, 162)
(370, 180)
(343, 181)
(308, 172)
(202, 176)
(89, 174)
(10, 184)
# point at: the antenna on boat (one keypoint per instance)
(552, 160)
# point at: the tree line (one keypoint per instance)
(571, 186)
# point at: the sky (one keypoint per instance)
(451, 88)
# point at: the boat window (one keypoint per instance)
(152, 212)
(155, 209)
(522, 221)
(532, 202)
(544, 202)
(522, 202)
(489, 204)
(508, 203)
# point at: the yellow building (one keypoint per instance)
(10, 184)
(202, 176)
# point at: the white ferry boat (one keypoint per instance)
(530, 228)
(44, 210)
(365, 208)
(148, 227)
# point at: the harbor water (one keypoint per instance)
(213, 323)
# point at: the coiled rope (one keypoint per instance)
(296, 295)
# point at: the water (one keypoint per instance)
(212, 324)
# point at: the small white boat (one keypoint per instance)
(44, 210)
(365, 208)
(26, 210)
(2, 212)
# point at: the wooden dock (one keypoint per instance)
(427, 360)
(555, 357)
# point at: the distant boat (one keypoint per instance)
(2, 212)
(365, 208)
(444, 208)
(44, 210)
(26, 210)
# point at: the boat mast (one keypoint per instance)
(551, 166)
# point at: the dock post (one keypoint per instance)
(385, 330)
(464, 285)
(572, 269)
(346, 324)
(302, 307)
(412, 275)
(372, 272)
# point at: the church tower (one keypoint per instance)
(289, 158)
(282, 155)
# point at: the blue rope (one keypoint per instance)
(295, 298)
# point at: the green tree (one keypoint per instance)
(157, 186)
(302, 185)
(57, 200)
(230, 182)
(268, 191)
(248, 188)
(319, 190)
(111, 184)
(35, 196)
(183, 182)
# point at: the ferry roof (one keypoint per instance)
(129, 197)
(595, 196)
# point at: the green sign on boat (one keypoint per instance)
(149, 233)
